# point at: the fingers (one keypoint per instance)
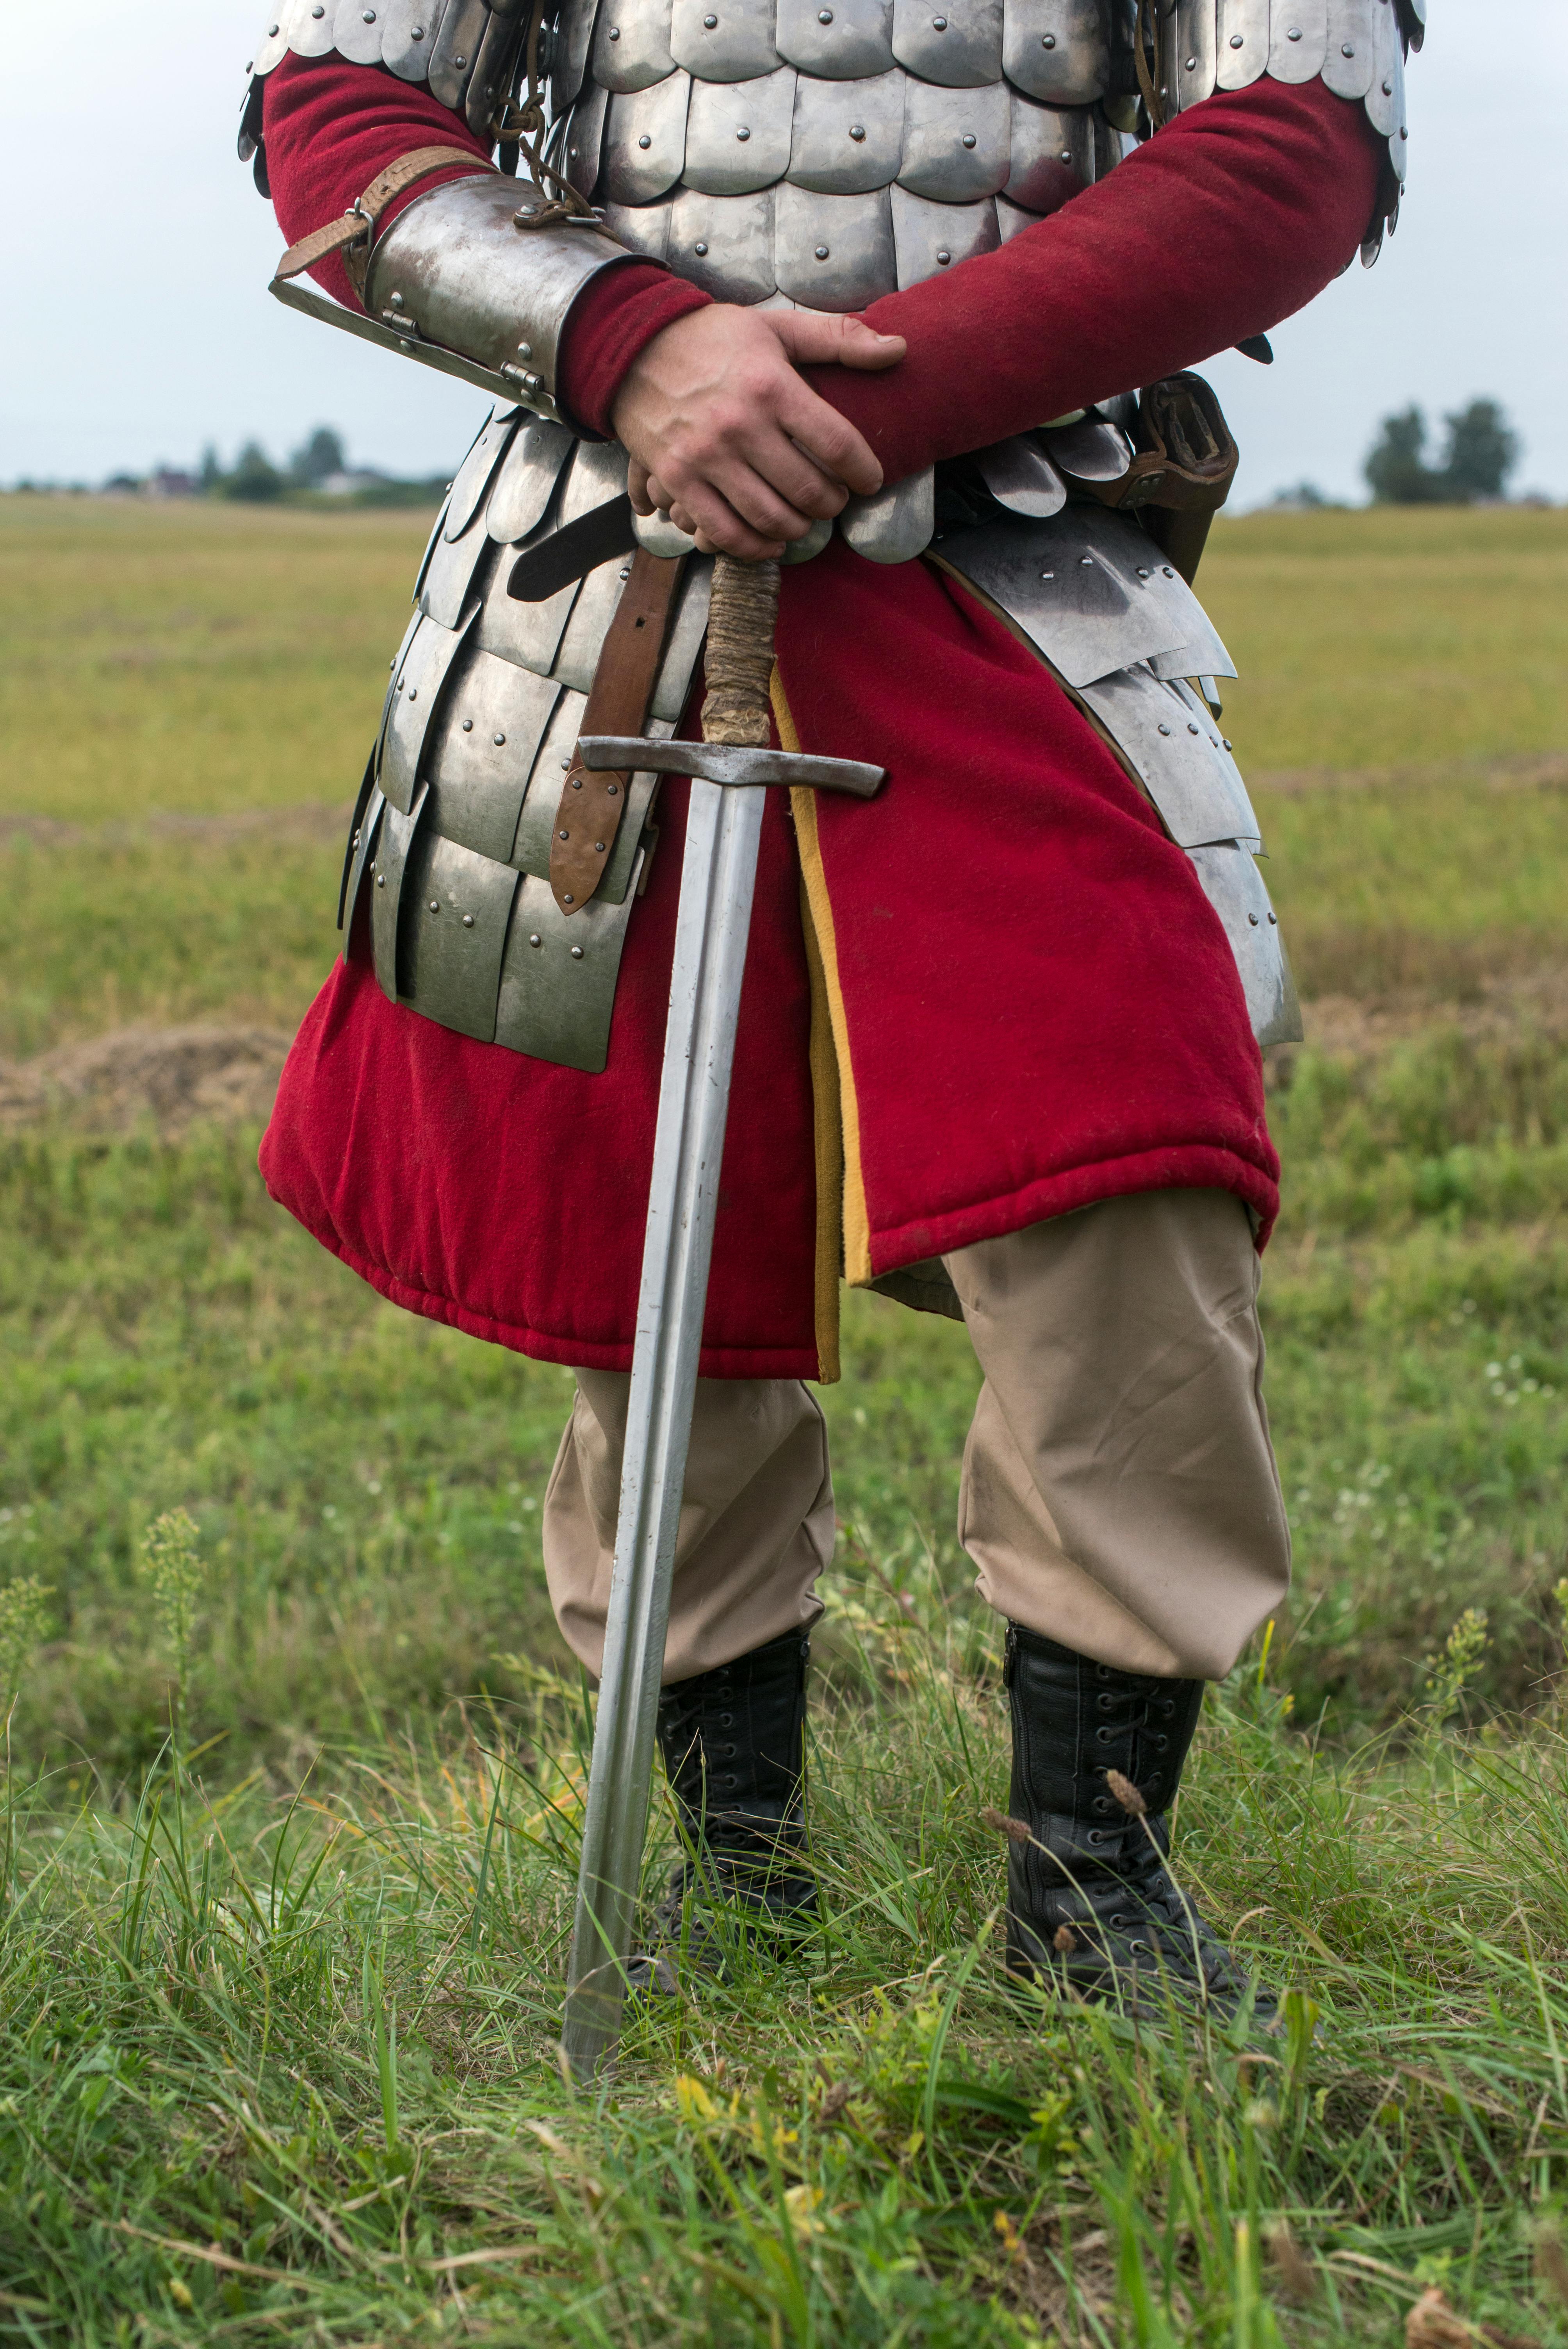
(717, 527)
(638, 489)
(811, 340)
(829, 440)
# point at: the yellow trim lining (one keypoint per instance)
(846, 1116)
(828, 1121)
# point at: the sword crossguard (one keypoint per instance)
(738, 764)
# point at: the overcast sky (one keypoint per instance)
(137, 324)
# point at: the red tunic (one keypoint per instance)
(1033, 1003)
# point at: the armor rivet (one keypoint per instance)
(381, 880)
(413, 693)
(576, 782)
(1347, 49)
(701, 249)
(644, 140)
(567, 900)
(435, 904)
(744, 133)
(1236, 41)
(576, 951)
(271, 30)
(1404, 131)
(822, 253)
(824, 16)
(1170, 574)
(939, 24)
(1387, 88)
(1086, 562)
(969, 139)
(624, 571)
(468, 921)
(857, 130)
(1191, 728)
(564, 835)
(944, 256)
(368, 14)
(1163, 728)
(1048, 40)
(599, 847)
(497, 739)
(417, 33)
(1274, 918)
(397, 302)
(710, 21)
(1143, 571)
(1048, 575)
(612, 789)
(467, 726)
(1192, 65)
(1227, 741)
(460, 63)
(1293, 32)
(614, 32)
(525, 351)
(1066, 154)
(318, 10)
(534, 939)
(564, 764)
(1253, 920)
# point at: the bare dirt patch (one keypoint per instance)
(1528, 770)
(169, 1078)
(309, 820)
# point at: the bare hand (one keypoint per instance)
(726, 437)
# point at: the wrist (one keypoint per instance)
(612, 325)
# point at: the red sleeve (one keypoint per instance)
(330, 126)
(1234, 216)
(1237, 214)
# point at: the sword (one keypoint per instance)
(731, 768)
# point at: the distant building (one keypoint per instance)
(346, 484)
(165, 482)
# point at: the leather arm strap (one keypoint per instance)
(364, 218)
(592, 804)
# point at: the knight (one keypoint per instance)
(908, 292)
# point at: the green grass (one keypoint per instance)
(1398, 637)
(275, 2066)
(277, 2019)
(207, 663)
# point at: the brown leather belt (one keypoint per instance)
(361, 219)
(592, 804)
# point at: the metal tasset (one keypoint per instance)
(730, 769)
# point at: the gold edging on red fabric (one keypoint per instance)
(855, 1222)
(827, 1124)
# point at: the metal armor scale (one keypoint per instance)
(806, 153)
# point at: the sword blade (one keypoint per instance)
(717, 880)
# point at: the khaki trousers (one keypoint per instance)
(1119, 1490)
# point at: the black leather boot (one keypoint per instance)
(734, 1745)
(1096, 1909)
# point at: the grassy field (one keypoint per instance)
(276, 2019)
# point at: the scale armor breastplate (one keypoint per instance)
(818, 153)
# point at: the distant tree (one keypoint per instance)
(212, 472)
(1397, 471)
(255, 479)
(317, 459)
(1305, 498)
(1480, 451)
(1483, 450)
